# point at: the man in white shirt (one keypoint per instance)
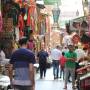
(55, 55)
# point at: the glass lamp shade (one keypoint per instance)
(56, 13)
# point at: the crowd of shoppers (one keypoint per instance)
(65, 61)
(68, 58)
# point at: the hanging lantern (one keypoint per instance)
(56, 13)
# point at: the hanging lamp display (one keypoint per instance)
(56, 13)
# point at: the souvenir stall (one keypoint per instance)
(84, 70)
(81, 27)
(6, 34)
(84, 77)
(13, 12)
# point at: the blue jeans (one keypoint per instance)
(55, 68)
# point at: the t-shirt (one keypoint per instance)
(21, 59)
(55, 54)
(70, 63)
(62, 60)
(42, 57)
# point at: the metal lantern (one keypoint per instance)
(56, 13)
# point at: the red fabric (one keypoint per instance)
(30, 18)
(31, 13)
(47, 24)
(33, 24)
(31, 45)
(62, 61)
(21, 23)
(21, 34)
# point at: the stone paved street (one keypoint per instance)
(48, 83)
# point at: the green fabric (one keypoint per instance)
(0, 5)
(69, 63)
(13, 14)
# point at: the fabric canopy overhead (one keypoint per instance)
(51, 2)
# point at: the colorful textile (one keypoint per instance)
(30, 17)
(21, 23)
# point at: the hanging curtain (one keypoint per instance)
(47, 24)
(21, 25)
(30, 17)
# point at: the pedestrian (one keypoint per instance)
(42, 57)
(62, 64)
(21, 63)
(2, 53)
(71, 57)
(55, 55)
(2, 60)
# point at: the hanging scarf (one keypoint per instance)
(21, 23)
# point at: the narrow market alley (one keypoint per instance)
(45, 34)
(48, 83)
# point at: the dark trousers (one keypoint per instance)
(55, 68)
(61, 71)
(18, 87)
(42, 70)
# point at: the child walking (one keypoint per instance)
(62, 64)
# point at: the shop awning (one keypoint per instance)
(51, 2)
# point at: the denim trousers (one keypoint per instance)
(55, 68)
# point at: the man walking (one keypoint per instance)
(42, 56)
(21, 62)
(55, 55)
(71, 57)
